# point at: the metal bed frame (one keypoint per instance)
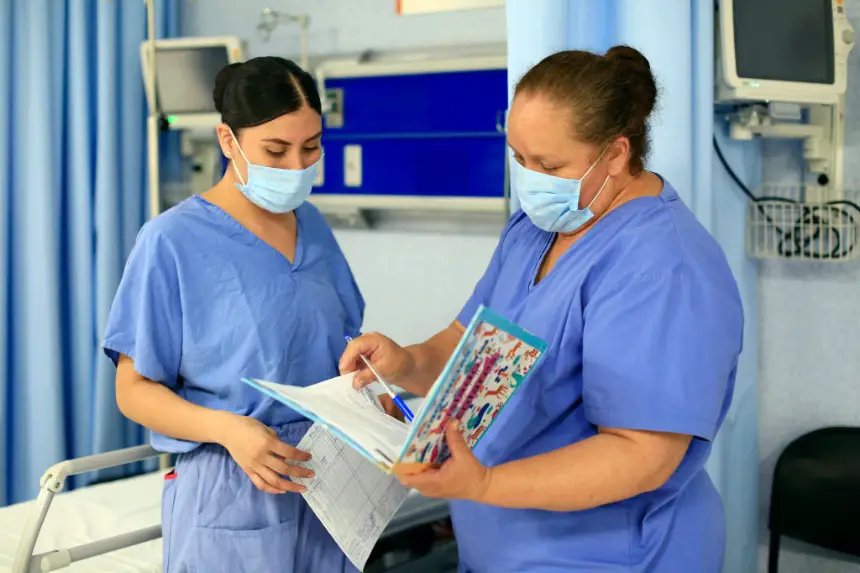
(416, 510)
(52, 483)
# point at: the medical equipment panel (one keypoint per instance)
(187, 68)
(423, 130)
(782, 50)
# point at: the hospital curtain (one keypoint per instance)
(677, 37)
(72, 179)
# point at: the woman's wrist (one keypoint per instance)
(218, 424)
(419, 383)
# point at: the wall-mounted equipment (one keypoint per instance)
(782, 51)
(187, 68)
(178, 83)
(271, 19)
(417, 133)
(781, 73)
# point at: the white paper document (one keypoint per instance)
(352, 497)
(355, 416)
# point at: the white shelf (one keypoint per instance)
(332, 202)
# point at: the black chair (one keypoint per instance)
(816, 492)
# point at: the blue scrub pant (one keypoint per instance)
(215, 519)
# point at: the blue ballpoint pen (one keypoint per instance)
(397, 399)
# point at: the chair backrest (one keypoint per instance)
(816, 490)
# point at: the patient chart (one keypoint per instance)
(350, 496)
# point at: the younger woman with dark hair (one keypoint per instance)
(244, 280)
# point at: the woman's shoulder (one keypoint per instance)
(178, 225)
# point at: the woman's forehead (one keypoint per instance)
(299, 125)
(538, 127)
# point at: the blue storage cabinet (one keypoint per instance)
(422, 135)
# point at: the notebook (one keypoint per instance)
(493, 358)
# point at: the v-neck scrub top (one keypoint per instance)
(203, 302)
(645, 326)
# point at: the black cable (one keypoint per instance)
(797, 241)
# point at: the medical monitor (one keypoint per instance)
(185, 71)
(782, 50)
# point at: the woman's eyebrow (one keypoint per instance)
(319, 134)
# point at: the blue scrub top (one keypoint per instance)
(204, 302)
(645, 324)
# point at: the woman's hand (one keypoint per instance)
(257, 450)
(462, 476)
(390, 407)
(392, 361)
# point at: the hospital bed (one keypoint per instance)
(116, 527)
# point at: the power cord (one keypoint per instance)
(796, 241)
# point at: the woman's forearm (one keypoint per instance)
(158, 408)
(599, 470)
(429, 358)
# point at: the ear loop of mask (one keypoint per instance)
(605, 181)
(233, 159)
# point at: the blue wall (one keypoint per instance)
(424, 135)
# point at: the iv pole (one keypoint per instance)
(152, 134)
(152, 120)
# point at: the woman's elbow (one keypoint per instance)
(655, 479)
(122, 398)
(126, 382)
(665, 464)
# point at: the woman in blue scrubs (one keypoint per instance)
(244, 280)
(597, 463)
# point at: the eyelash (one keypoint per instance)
(282, 153)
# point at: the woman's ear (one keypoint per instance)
(618, 156)
(225, 140)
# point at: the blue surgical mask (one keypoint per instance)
(552, 203)
(275, 190)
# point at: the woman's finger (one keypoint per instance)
(287, 451)
(351, 360)
(281, 484)
(363, 377)
(261, 485)
(390, 407)
(281, 467)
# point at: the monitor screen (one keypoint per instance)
(784, 40)
(186, 77)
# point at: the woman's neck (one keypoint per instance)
(228, 197)
(644, 184)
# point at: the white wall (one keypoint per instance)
(810, 339)
(414, 283)
(342, 26)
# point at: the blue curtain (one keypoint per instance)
(72, 179)
(677, 37)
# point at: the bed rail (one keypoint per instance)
(52, 483)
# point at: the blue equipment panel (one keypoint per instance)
(422, 135)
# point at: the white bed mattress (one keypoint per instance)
(90, 514)
(110, 509)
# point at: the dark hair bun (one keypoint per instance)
(257, 91)
(632, 61)
(222, 80)
(630, 56)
